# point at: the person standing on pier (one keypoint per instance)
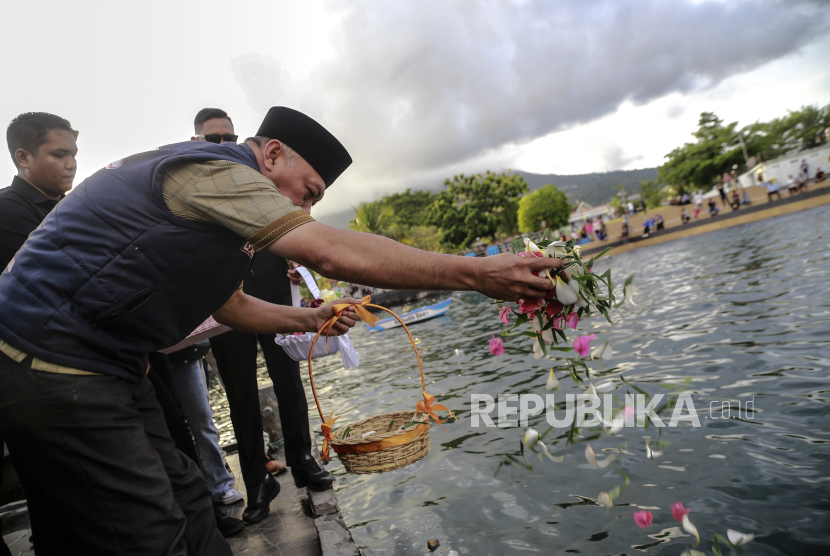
(43, 147)
(131, 263)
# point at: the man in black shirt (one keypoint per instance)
(43, 149)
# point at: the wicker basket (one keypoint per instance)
(392, 444)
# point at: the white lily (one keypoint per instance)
(580, 303)
(564, 293)
(536, 323)
(557, 459)
(690, 528)
(530, 246)
(547, 335)
(738, 538)
(537, 349)
(556, 250)
(592, 458)
(605, 499)
(574, 270)
(552, 382)
(531, 437)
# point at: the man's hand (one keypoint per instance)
(509, 277)
(348, 318)
(293, 274)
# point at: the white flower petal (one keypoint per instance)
(531, 436)
(530, 245)
(738, 538)
(557, 459)
(547, 335)
(605, 499)
(536, 323)
(552, 382)
(592, 458)
(602, 352)
(690, 528)
(564, 293)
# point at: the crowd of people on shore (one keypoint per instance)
(111, 436)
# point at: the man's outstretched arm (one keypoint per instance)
(381, 262)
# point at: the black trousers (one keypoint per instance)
(235, 354)
(101, 449)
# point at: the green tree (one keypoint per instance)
(427, 238)
(651, 192)
(476, 206)
(374, 218)
(698, 165)
(410, 206)
(546, 203)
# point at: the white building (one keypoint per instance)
(583, 211)
(782, 168)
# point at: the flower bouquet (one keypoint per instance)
(577, 291)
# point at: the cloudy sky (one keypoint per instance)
(417, 91)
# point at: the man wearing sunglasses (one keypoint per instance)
(214, 126)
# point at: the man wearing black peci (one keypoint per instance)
(135, 259)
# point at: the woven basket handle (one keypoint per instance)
(311, 353)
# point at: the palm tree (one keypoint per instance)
(374, 218)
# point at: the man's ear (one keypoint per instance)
(271, 152)
(23, 158)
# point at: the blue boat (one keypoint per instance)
(417, 315)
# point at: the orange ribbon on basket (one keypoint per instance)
(430, 408)
(359, 308)
(327, 435)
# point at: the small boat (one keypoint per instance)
(418, 315)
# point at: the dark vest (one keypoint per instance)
(111, 274)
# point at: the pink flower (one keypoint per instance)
(553, 307)
(643, 519)
(678, 511)
(529, 305)
(503, 312)
(534, 254)
(582, 344)
(571, 320)
(496, 346)
(557, 322)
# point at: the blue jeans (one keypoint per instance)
(190, 387)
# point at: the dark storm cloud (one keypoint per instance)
(425, 84)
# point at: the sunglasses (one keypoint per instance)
(218, 138)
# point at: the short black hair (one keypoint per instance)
(206, 114)
(28, 131)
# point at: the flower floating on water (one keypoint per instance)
(496, 346)
(738, 538)
(690, 528)
(643, 519)
(582, 344)
(592, 458)
(531, 436)
(604, 352)
(552, 382)
(503, 312)
(605, 499)
(678, 511)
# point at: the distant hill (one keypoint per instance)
(594, 189)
